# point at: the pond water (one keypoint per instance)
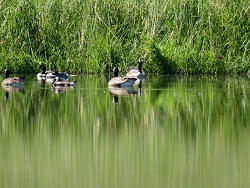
(173, 131)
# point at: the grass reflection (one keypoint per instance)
(184, 132)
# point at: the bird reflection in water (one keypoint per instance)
(12, 89)
(125, 91)
(58, 90)
(60, 85)
(116, 91)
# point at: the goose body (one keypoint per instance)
(60, 82)
(56, 74)
(15, 82)
(51, 74)
(121, 81)
(137, 72)
(43, 74)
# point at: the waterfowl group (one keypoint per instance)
(122, 86)
(57, 79)
(134, 76)
(61, 79)
(44, 74)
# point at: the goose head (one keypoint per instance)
(42, 67)
(140, 60)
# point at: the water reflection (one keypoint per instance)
(42, 83)
(126, 91)
(139, 83)
(60, 90)
(122, 91)
(12, 89)
(181, 126)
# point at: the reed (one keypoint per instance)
(184, 36)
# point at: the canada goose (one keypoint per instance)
(121, 81)
(60, 82)
(137, 73)
(51, 74)
(43, 74)
(15, 82)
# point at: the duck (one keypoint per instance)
(14, 82)
(137, 72)
(121, 81)
(60, 82)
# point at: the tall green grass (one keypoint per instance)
(184, 36)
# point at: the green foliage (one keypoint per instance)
(184, 36)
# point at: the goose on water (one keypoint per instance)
(121, 81)
(137, 72)
(51, 74)
(15, 82)
(43, 74)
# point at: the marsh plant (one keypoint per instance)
(183, 36)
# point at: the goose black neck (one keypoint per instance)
(140, 67)
(7, 73)
(44, 70)
(116, 70)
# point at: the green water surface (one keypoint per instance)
(174, 131)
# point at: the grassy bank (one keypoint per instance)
(184, 36)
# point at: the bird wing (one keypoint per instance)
(117, 81)
(133, 73)
(10, 81)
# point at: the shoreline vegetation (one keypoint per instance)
(174, 37)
